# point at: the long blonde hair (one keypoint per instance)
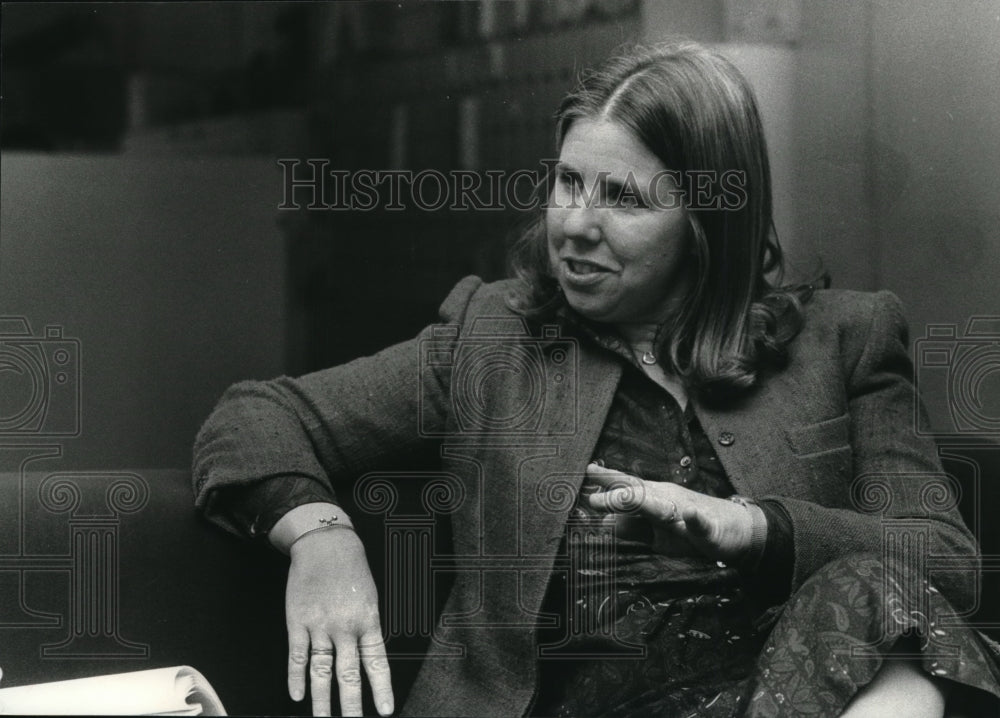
(697, 113)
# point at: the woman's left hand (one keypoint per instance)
(684, 521)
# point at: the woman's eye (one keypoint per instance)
(630, 200)
(567, 179)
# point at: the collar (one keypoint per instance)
(603, 335)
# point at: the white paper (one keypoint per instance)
(179, 690)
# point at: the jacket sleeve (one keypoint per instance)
(899, 487)
(331, 426)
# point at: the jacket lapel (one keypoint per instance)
(548, 487)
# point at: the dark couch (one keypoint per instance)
(186, 593)
(190, 594)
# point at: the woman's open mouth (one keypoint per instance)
(578, 267)
(582, 272)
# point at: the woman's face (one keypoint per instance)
(618, 257)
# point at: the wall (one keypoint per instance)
(169, 272)
(936, 104)
(832, 222)
(936, 183)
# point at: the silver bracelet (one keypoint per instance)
(330, 524)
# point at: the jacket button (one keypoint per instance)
(726, 438)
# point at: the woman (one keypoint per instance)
(699, 473)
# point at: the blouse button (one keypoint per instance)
(685, 461)
(726, 438)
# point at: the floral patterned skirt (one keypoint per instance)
(707, 645)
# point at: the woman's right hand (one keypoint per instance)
(331, 608)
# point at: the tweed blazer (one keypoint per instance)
(515, 416)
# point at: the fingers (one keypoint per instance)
(609, 478)
(320, 673)
(623, 493)
(298, 659)
(348, 679)
(636, 500)
(624, 500)
(377, 669)
(613, 491)
(323, 660)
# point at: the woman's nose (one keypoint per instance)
(582, 224)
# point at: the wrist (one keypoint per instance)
(307, 519)
(340, 541)
(755, 533)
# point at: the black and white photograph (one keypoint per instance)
(543, 358)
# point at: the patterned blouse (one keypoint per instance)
(640, 627)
